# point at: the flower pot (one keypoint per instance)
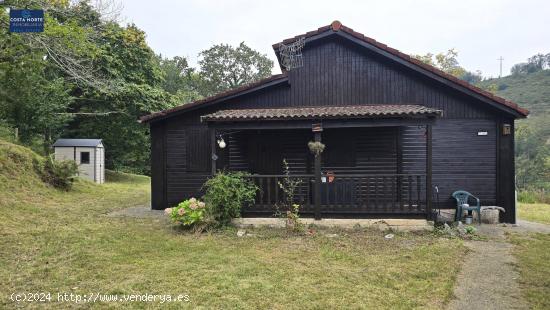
(468, 220)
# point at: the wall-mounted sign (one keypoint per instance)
(482, 133)
(26, 20)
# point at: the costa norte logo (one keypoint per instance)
(26, 14)
(26, 20)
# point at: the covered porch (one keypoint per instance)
(377, 160)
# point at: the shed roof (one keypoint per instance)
(363, 111)
(78, 142)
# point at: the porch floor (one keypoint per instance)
(382, 224)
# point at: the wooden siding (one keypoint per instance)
(158, 167)
(464, 160)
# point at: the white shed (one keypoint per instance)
(89, 155)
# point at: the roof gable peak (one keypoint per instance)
(336, 27)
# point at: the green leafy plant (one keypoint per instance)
(470, 230)
(293, 222)
(226, 193)
(60, 174)
(187, 213)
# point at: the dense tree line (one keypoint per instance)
(87, 76)
(535, 63)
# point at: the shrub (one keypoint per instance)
(292, 215)
(60, 174)
(187, 213)
(226, 193)
(502, 86)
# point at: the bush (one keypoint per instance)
(188, 213)
(226, 193)
(60, 174)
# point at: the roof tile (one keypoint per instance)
(362, 111)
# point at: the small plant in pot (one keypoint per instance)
(316, 148)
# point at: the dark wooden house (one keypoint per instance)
(394, 129)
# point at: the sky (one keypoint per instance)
(481, 31)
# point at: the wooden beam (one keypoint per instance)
(506, 173)
(399, 148)
(327, 123)
(159, 193)
(429, 170)
(213, 155)
(317, 191)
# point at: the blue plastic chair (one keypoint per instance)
(462, 204)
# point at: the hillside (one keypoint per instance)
(531, 91)
(21, 181)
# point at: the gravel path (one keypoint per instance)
(488, 279)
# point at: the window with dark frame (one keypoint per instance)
(84, 157)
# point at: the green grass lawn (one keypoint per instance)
(62, 242)
(534, 212)
(533, 255)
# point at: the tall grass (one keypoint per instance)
(534, 196)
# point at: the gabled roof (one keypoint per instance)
(337, 27)
(78, 142)
(272, 80)
(325, 112)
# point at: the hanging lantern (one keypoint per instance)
(221, 143)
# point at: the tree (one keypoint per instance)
(533, 153)
(472, 77)
(538, 61)
(180, 80)
(127, 60)
(224, 67)
(446, 62)
(535, 63)
(84, 76)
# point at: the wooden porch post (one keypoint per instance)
(213, 155)
(429, 170)
(317, 198)
(399, 183)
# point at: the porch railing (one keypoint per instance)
(270, 193)
(347, 193)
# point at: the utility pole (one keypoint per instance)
(500, 59)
